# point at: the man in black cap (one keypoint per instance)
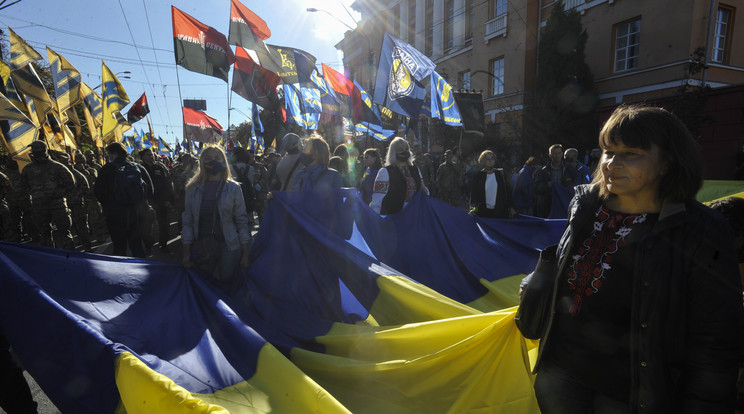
(49, 182)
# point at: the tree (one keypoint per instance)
(562, 107)
(690, 101)
(242, 134)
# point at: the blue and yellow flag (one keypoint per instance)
(129, 143)
(340, 328)
(443, 104)
(293, 105)
(93, 102)
(400, 74)
(21, 131)
(15, 98)
(164, 148)
(28, 83)
(21, 54)
(114, 100)
(66, 83)
(257, 129)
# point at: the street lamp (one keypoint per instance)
(126, 72)
(370, 57)
(236, 109)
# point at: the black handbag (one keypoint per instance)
(536, 306)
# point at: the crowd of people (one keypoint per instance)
(72, 201)
(637, 253)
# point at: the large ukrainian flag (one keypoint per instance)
(321, 323)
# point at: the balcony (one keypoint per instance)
(496, 27)
(573, 4)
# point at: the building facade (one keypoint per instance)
(637, 50)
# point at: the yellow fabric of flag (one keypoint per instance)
(92, 102)
(154, 141)
(278, 386)
(93, 129)
(477, 363)
(4, 71)
(115, 98)
(21, 54)
(21, 132)
(66, 83)
(29, 84)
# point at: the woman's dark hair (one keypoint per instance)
(641, 127)
(118, 149)
(376, 155)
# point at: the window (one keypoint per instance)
(627, 40)
(412, 22)
(465, 79)
(449, 23)
(496, 8)
(468, 19)
(429, 23)
(497, 80)
(721, 35)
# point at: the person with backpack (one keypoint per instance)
(122, 188)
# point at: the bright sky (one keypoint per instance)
(88, 31)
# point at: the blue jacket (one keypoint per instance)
(685, 311)
(317, 178)
(522, 193)
(231, 207)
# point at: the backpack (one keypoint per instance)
(129, 187)
(249, 193)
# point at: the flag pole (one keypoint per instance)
(229, 99)
(180, 103)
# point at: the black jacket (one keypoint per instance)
(685, 311)
(478, 196)
(396, 195)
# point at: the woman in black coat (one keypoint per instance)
(490, 195)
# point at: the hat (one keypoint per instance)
(61, 155)
(38, 146)
(291, 140)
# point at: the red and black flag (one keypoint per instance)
(253, 82)
(198, 126)
(138, 110)
(246, 28)
(346, 91)
(200, 48)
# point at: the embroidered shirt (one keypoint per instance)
(592, 324)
